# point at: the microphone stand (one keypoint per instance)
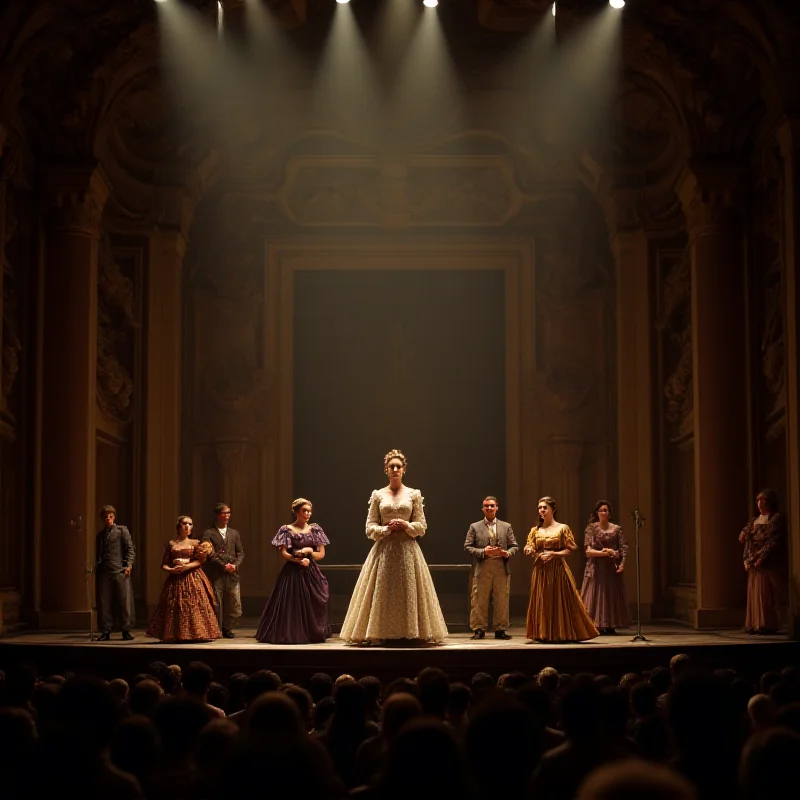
(638, 522)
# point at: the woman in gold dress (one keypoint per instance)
(556, 612)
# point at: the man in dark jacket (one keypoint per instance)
(222, 569)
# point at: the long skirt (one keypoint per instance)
(297, 610)
(556, 612)
(185, 610)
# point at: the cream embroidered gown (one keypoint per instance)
(394, 597)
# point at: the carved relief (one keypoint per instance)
(12, 346)
(116, 319)
(768, 294)
(569, 384)
(228, 303)
(675, 324)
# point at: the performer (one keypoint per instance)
(555, 611)
(394, 597)
(222, 569)
(491, 543)
(297, 610)
(185, 610)
(764, 540)
(114, 557)
(603, 590)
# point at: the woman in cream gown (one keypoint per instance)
(394, 597)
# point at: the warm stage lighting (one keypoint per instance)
(616, 3)
(342, 2)
(553, 9)
(430, 3)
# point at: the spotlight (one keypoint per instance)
(553, 9)
(430, 3)
(342, 2)
(616, 3)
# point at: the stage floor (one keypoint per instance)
(57, 651)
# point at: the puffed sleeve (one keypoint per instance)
(531, 542)
(623, 545)
(588, 537)
(569, 538)
(375, 530)
(319, 535)
(417, 524)
(283, 538)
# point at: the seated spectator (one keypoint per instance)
(197, 679)
(144, 697)
(770, 766)
(458, 704)
(761, 711)
(320, 686)
(632, 779)
(372, 754)
(260, 682)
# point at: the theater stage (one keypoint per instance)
(459, 656)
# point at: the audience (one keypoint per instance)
(672, 733)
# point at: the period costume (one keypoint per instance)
(185, 610)
(114, 553)
(765, 555)
(227, 544)
(555, 611)
(603, 590)
(491, 577)
(394, 597)
(297, 610)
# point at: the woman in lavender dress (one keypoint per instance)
(603, 590)
(297, 609)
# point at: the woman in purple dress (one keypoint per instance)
(297, 609)
(603, 590)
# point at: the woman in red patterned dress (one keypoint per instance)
(185, 610)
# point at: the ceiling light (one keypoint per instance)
(616, 3)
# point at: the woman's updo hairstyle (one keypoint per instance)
(299, 503)
(394, 454)
(551, 502)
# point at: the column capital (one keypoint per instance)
(77, 196)
(709, 197)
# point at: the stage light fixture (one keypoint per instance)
(553, 9)
(342, 2)
(430, 3)
(616, 3)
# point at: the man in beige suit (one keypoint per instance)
(491, 543)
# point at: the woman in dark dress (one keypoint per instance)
(185, 610)
(297, 609)
(764, 540)
(603, 591)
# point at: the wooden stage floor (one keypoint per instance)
(459, 656)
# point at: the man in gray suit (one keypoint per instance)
(491, 543)
(114, 555)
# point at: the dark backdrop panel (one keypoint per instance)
(408, 359)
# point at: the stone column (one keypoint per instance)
(789, 137)
(68, 505)
(635, 403)
(163, 342)
(719, 350)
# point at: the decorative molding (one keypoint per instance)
(77, 197)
